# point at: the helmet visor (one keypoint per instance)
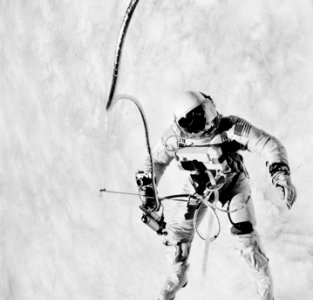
(194, 121)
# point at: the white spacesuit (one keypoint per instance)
(206, 144)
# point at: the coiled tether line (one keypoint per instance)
(209, 204)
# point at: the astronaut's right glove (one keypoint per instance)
(281, 179)
(150, 205)
(145, 186)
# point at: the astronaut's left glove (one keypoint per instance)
(281, 179)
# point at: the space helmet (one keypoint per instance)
(195, 113)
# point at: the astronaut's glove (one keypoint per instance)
(281, 180)
(145, 186)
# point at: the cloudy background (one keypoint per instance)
(60, 239)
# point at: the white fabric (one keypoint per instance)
(250, 248)
(243, 136)
(180, 230)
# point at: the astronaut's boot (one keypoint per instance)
(251, 250)
(174, 282)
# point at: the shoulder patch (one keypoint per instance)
(242, 128)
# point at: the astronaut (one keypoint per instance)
(206, 145)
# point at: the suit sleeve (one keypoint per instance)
(163, 153)
(258, 141)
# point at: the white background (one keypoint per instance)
(59, 238)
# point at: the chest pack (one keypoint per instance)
(194, 159)
(207, 153)
(201, 157)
